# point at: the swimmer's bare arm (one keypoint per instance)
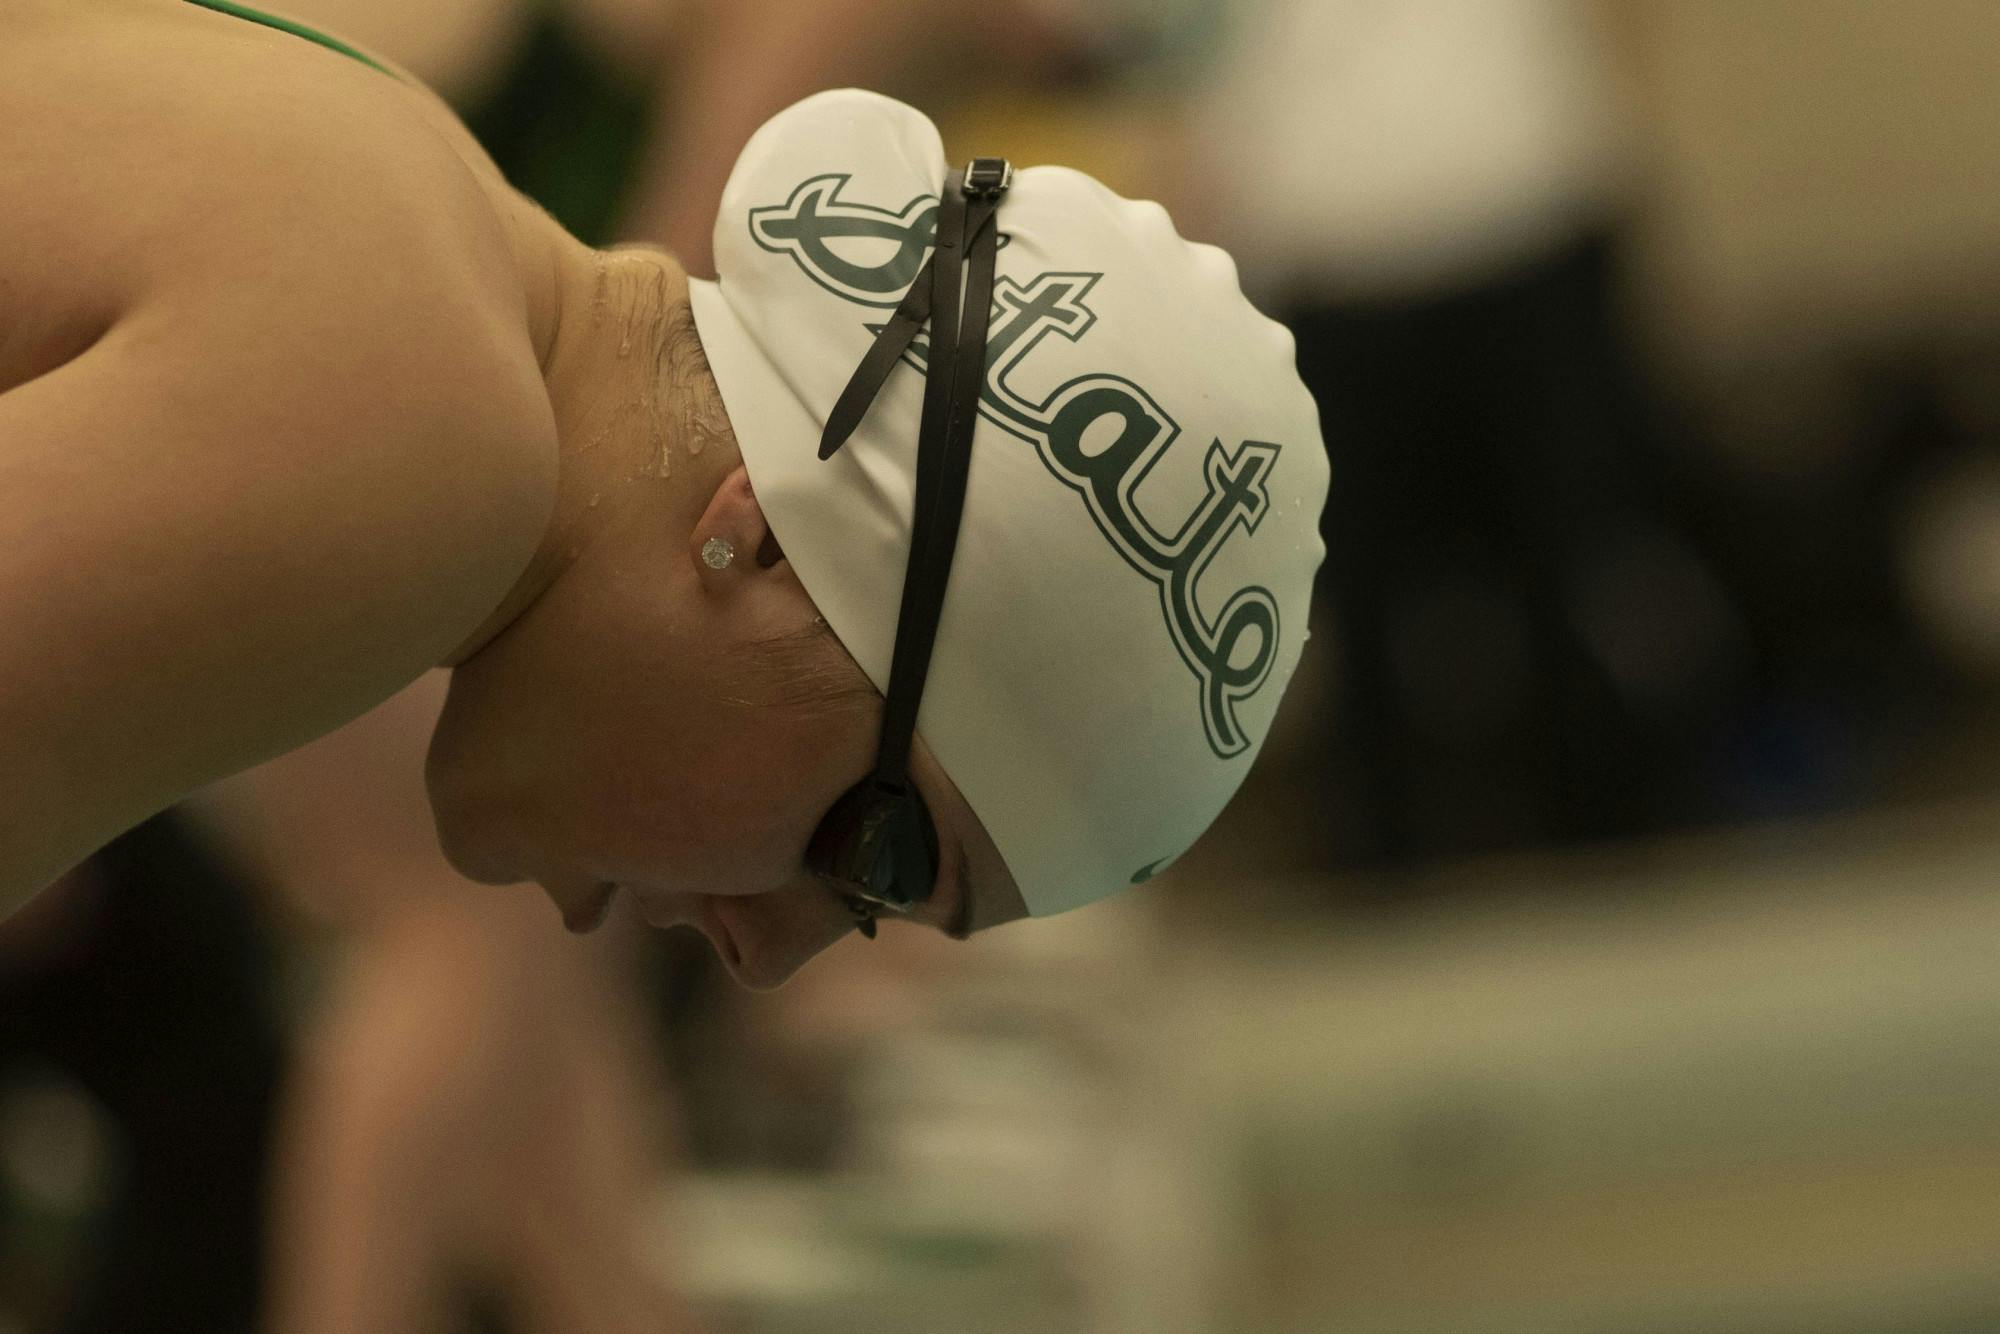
(275, 491)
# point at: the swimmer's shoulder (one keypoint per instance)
(286, 441)
(167, 149)
(195, 188)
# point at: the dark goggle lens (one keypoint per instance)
(881, 844)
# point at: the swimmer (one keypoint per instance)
(782, 603)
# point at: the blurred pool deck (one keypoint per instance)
(1742, 1083)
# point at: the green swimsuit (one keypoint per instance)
(286, 25)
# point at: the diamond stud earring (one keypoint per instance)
(716, 553)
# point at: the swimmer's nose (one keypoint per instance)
(583, 904)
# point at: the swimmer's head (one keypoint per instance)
(1138, 539)
(651, 721)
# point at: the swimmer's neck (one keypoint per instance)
(585, 312)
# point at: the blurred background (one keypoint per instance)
(1605, 941)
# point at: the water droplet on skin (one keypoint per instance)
(599, 295)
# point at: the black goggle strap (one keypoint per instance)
(931, 551)
(950, 412)
(957, 365)
(891, 341)
(895, 337)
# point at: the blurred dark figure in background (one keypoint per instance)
(1528, 646)
(142, 981)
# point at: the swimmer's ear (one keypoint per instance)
(734, 516)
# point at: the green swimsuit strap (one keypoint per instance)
(286, 25)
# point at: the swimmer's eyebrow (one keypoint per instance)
(960, 926)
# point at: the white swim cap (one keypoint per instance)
(1141, 524)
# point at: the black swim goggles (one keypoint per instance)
(879, 845)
